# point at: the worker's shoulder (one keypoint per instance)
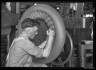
(23, 42)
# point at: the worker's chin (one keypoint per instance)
(32, 37)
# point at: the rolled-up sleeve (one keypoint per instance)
(33, 50)
(30, 48)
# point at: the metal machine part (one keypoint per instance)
(66, 52)
(4, 44)
(56, 20)
(5, 31)
(6, 21)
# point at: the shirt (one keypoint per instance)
(20, 53)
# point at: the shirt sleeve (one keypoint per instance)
(31, 48)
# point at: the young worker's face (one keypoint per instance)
(32, 31)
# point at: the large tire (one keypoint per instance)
(68, 50)
(59, 29)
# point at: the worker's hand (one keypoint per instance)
(50, 32)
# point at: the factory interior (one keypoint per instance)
(72, 21)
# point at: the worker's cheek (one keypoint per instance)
(32, 35)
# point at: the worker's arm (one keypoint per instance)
(48, 47)
(30, 48)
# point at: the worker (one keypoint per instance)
(22, 49)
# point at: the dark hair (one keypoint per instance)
(29, 23)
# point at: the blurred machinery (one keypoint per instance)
(77, 18)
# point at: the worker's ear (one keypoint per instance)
(28, 30)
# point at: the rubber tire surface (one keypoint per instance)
(68, 50)
(59, 29)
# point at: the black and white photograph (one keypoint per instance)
(47, 34)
